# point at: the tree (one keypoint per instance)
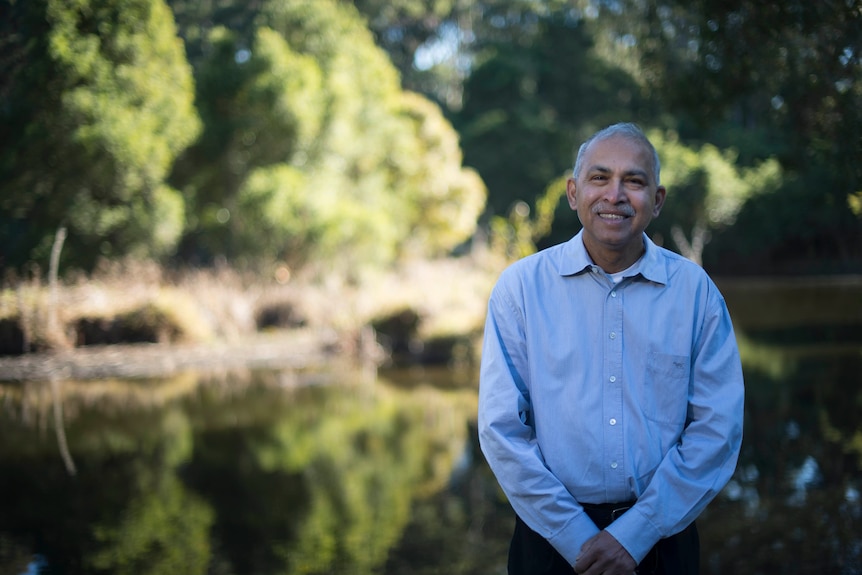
(401, 27)
(96, 104)
(313, 152)
(779, 79)
(706, 190)
(262, 110)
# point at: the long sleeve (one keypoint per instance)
(508, 438)
(698, 466)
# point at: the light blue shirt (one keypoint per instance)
(596, 392)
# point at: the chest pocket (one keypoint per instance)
(665, 395)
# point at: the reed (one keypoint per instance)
(132, 301)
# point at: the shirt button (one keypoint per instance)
(613, 421)
(613, 294)
(614, 465)
(613, 378)
(613, 335)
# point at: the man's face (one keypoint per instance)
(615, 197)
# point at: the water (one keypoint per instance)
(351, 471)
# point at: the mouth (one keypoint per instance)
(612, 214)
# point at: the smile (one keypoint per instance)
(614, 217)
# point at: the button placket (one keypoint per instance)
(613, 393)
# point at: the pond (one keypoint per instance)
(351, 470)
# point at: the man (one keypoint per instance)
(611, 393)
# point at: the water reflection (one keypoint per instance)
(344, 471)
(260, 476)
(793, 506)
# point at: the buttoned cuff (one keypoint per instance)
(571, 538)
(635, 532)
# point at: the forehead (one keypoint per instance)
(618, 153)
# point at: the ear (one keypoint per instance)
(572, 193)
(660, 195)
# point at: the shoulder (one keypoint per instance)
(680, 266)
(688, 281)
(543, 262)
(525, 278)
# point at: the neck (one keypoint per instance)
(613, 261)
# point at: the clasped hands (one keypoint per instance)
(603, 555)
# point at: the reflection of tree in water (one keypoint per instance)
(272, 477)
(324, 483)
(123, 512)
(463, 529)
(163, 529)
(310, 480)
(794, 504)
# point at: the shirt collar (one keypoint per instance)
(574, 259)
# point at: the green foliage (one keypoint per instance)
(706, 190)
(260, 110)
(310, 149)
(319, 155)
(770, 79)
(445, 199)
(804, 227)
(313, 151)
(98, 103)
(353, 177)
(520, 235)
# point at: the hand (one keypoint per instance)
(603, 555)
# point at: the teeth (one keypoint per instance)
(611, 216)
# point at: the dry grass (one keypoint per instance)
(140, 299)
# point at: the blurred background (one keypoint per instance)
(245, 249)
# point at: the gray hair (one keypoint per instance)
(626, 130)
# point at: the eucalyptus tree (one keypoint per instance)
(706, 191)
(96, 101)
(312, 151)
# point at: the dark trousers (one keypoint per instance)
(531, 554)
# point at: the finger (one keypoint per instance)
(583, 563)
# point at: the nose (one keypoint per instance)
(615, 192)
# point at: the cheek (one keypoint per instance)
(580, 218)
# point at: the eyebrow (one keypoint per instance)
(633, 172)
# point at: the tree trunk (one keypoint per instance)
(54, 332)
(692, 250)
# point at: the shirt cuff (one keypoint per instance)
(635, 532)
(571, 538)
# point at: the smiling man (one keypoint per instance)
(611, 392)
